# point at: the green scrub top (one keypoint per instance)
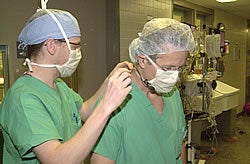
(139, 134)
(32, 113)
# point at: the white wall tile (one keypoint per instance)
(235, 70)
(133, 15)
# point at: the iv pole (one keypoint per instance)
(190, 158)
(191, 152)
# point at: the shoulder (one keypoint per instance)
(63, 86)
(26, 90)
(173, 93)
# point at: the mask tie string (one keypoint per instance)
(27, 62)
(44, 4)
(145, 81)
(60, 27)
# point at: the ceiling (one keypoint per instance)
(240, 7)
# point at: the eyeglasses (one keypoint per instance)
(171, 68)
(165, 68)
(75, 45)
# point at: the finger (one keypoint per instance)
(124, 75)
(121, 72)
(121, 67)
(125, 64)
(127, 90)
(127, 82)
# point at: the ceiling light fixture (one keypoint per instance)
(224, 1)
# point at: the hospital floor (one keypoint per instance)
(235, 151)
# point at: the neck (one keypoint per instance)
(142, 83)
(46, 75)
(153, 97)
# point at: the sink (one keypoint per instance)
(194, 94)
(191, 85)
(223, 98)
(215, 107)
(215, 103)
(230, 95)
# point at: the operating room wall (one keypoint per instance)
(248, 64)
(235, 64)
(91, 17)
(134, 14)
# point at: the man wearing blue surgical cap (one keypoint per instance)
(150, 125)
(40, 116)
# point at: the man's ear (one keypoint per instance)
(141, 60)
(50, 46)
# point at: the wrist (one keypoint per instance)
(104, 109)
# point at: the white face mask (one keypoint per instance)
(164, 81)
(68, 68)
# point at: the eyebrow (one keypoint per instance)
(76, 44)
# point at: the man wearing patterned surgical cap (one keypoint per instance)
(150, 125)
(40, 116)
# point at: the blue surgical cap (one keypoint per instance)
(42, 27)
